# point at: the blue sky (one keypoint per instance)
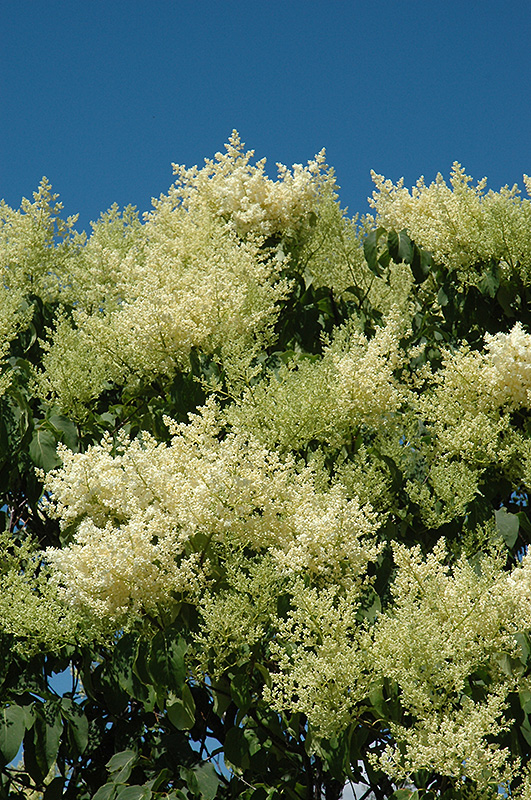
(101, 97)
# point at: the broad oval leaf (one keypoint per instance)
(121, 765)
(43, 450)
(181, 712)
(508, 525)
(11, 731)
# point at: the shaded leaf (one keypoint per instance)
(508, 526)
(236, 748)
(207, 781)
(240, 691)
(42, 449)
(41, 742)
(78, 727)
(54, 790)
(11, 731)
(66, 430)
(106, 792)
(181, 711)
(400, 247)
(166, 660)
(370, 250)
(134, 793)
(121, 764)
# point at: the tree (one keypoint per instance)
(265, 474)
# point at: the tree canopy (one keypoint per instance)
(265, 475)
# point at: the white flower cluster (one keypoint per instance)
(460, 224)
(353, 383)
(34, 244)
(194, 285)
(444, 625)
(321, 652)
(510, 356)
(465, 408)
(30, 610)
(242, 194)
(148, 517)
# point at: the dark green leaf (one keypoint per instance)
(525, 524)
(240, 691)
(125, 656)
(43, 449)
(77, 723)
(181, 712)
(54, 790)
(525, 728)
(400, 247)
(442, 297)
(105, 681)
(134, 793)
(166, 660)
(508, 526)
(66, 430)
(121, 764)
(370, 250)
(11, 731)
(207, 781)
(107, 792)
(236, 747)
(41, 742)
(421, 264)
(490, 280)
(221, 694)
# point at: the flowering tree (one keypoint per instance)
(265, 475)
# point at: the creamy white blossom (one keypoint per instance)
(464, 226)
(147, 517)
(510, 356)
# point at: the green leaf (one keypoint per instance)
(240, 691)
(41, 742)
(400, 247)
(421, 264)
(66, 430)
(525, 525)
(11, 731)
(181, 712)
(490, 280)
(124, 659)
(104, 680)
(236, 748)
(121, 765)
(508, 526)
(43, 449)
(525, 700)
(54, 790)
(107, 792)
(525, 729)
(265, 674)
(134, 793)
(442, 297)
(166, 660)
(207, 781)
(370, 250)
(221, 696)
(506, 297)
(377, 700)
(78, 727)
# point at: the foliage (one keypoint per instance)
(265, 482)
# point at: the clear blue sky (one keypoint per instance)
(101, 97)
